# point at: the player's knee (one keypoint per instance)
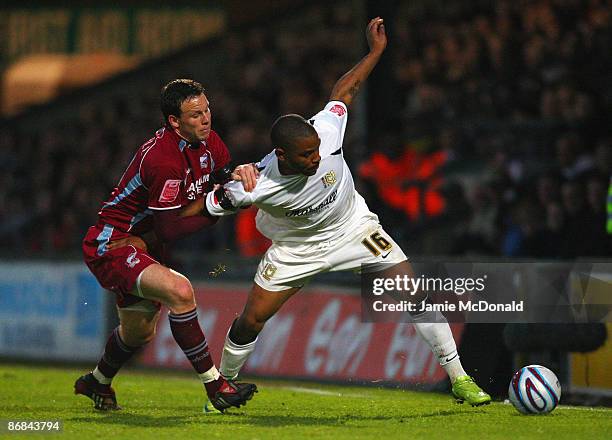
(181, 293)
(137, 336)
(250, 323)
(145, 336)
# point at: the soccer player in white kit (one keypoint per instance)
(317, 222)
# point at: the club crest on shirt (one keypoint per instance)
(204, 161)
(268, 271)
(329, 179)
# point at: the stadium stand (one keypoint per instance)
(512, 95)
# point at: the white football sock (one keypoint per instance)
(210, 375)
(234, 356)
(101, 378)
(454, 369)
(434, 329)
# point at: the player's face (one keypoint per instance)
(195, 119)
(304, 158)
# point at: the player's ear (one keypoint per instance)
(280, 153)
(173, 121)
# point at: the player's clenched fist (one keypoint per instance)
(376, 36)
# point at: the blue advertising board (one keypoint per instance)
(51, 311)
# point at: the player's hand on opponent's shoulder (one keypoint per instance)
(376, 36)
(247, 174)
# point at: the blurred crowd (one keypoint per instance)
(515, 94)
(518, 94)
(54, 180)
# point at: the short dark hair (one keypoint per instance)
(175, 93)
(288, 128)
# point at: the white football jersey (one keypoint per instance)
(301, 208)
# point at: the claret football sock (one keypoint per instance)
(116, 354)
(189, 336)
(234, 356)
(434, 329)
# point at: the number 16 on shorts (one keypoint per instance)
(376, 244)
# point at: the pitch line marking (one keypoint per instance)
(583, 408)
(321, 392)
(579, 408)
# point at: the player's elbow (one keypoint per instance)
(345, 98)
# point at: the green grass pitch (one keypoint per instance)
(161, 406)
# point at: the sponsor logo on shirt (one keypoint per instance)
(338, 109)
(170, 190)
(196, 187)
(314, 209)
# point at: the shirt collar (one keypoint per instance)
(182, 143)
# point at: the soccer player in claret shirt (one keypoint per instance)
(317, 222)
(169, 173)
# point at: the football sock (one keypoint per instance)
(97, 374)
(454, 369)
(211, 375)
(234, 355)
(434, 329)
(116, 354)
(189, 336)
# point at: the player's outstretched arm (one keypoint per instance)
(246, 173)
(227, 199)
(348, 85)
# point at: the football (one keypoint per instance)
(534, 389)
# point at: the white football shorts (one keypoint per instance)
(287, 264)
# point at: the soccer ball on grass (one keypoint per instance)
(534, 389)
